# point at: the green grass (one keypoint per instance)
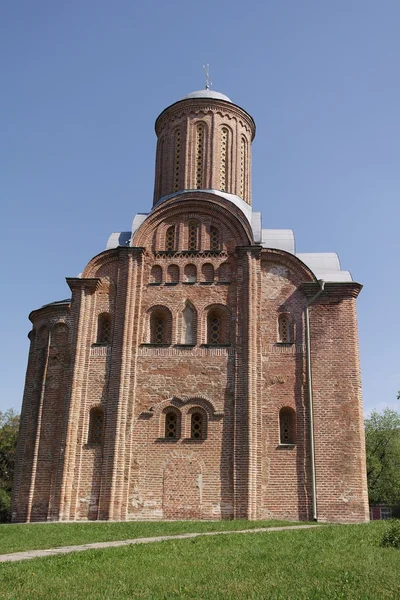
(15, 538)
(332, 562)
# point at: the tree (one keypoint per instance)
(9, 425)
(382, 437)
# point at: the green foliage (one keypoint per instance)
(9, 425)
(382, 436)
(391, 535)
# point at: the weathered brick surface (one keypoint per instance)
(240, 469)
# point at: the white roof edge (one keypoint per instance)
(281, 239)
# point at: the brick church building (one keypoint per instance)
(202, 369)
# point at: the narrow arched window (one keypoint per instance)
(172, 424)
(190, 273)
(283, 329)
(160, 325)
(197, 429)
(173, 274)
(189, 325)
(193, 235)
(287, 426)
(199, 155)
(224, 146)
(156, 274)
(214, 329)
(177, 159)
(214, 238)
(104, 328)
(170, 239)
(207, 271)
(243, 166)
(96, 425)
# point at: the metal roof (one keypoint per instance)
(207, 94)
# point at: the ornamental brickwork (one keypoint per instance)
(173, 384)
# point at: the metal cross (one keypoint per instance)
(207, 72)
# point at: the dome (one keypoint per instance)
(207, 93)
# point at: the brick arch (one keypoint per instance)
(180, 402)
(201, 206)
(151, 313)
(223, 313)
(100, 260)
(288, 260)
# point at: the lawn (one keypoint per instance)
(15, 538)
(326, 563)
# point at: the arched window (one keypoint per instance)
(214, 238)
(173, 274)
(189, 325)
(172, 424)
(207, 271)
(177, 159)
(243, 166)
(190, 273)
(96, 426)
(193, 236)
(283, 329)
(104, 328)
(287, 431)
(199, 155)
(160, 326)
(218, 326)
(170, 238)
(198, 426)
(156, 274)
(224, 145)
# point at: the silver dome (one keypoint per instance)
(207, 94)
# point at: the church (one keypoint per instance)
(201, 369)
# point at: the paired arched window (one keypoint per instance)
(173, 424)
(218, 326)
(284, 329)
(104, 328)
(96, 426)
(156, 274)
(160, 326)
(287, 426)
(170, 238)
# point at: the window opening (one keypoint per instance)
(170, 238)
(96, 426)
(214, 238)
(177, 159)
(197, 426)
(224, 141)
(189, 325)
(286, 426)
(193, 235)
(171, 428)
(215, 329)
(199, 155)
(284, 336)
(104, 329)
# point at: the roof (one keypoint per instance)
(207, 93)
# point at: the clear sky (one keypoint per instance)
(82, 83)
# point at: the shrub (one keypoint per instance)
(391, 535)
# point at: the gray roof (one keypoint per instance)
(207, 94)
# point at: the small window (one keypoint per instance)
(208, 272)
(173, 274)
(214, 238)
(197, 426)
(104, 329)
(96, 423)
(218, 326)
(190, 273)
(172, 425)
(283, 329)
(156, 274)
(193, 235)
(214, 329)
(170, 238)
(160, 326)
(189, 325)
(287, 426)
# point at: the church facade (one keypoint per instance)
(201, 368)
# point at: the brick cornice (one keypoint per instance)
(91, 284)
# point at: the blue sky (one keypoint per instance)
(83, 82)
